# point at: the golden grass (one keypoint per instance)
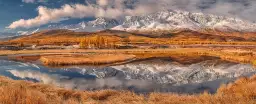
(94, 59)
(25, 58)
(242, 91)
(254, 62)
(84, 56)
(182, 38)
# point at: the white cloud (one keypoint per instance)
(245, 9)
(80, 83)
(33, 1)
(48, 15)
(102, 2)
(28, 1)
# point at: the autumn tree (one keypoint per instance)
(21, 44)
(83, 43)
(98, 42)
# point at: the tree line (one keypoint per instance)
(96, 42)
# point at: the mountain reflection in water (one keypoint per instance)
(147, 76)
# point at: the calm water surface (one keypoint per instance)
(147, 76)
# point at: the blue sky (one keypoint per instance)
(13, 10)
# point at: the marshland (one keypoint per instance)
(127, 52)
(97, 69)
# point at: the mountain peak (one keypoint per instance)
(103, 22)
(176, 19)
(166, 20)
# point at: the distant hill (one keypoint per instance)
(62, 36)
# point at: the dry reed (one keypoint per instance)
(95, 59)
(242, 91)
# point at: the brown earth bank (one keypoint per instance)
(97, 57)
(242, 91)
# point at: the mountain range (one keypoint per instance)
(167, 21)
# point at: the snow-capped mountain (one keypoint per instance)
(4, 34)
(28, 32)
(13, 35)
(168, 20)
(90, 26)
(165, 20)
(173, 20)
(148, 76)
(8, 35)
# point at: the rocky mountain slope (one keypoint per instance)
(169, 20)
(91, 26)
(165, 22)
(175, 20)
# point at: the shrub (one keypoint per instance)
(254, 62)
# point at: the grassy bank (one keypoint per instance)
(92, 59)
(242, 91)
(78, 57)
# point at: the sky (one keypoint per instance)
(13, 10)
(27, 14)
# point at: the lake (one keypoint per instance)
(154, 75)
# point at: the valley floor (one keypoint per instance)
(242, 91)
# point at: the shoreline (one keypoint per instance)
(96, 57)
